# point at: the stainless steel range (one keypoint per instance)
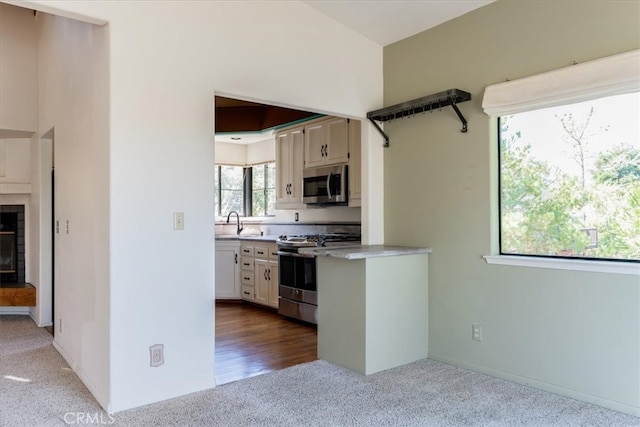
(297, 278)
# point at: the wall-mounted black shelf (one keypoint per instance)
(438, 100)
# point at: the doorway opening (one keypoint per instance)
(252, 339)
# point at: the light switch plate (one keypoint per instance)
(178, 220)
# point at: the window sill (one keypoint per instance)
(566, 264)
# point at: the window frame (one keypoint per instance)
(529, 263)
(247, 189)
(575, 83)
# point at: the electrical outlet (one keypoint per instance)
(156, 354)
(476, 332)
(178, 220)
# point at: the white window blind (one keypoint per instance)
(612, 75)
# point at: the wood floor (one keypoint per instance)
(252, 340)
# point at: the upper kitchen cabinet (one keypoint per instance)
(289, 164)
(355, 168)
(326, 142)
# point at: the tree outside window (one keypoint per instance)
(570, 180)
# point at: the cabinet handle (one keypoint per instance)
(268, 274)
(246, 278)
(246, 293)
(236, 258)
(265, 275)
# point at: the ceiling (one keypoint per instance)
(388, 21)
(382, 21)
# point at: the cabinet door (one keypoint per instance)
(314, 145)
(355, 165)
(289, 164)
(283, 167)
(296, 167)
(227, 283)
(273, 284)
(337, 141)
(262, 282)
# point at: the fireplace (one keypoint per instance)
(12, 244)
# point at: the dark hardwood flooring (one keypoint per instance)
(251, 340)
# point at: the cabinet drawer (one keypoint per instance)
(246, 263)
(246, 277)
(261, 252)
(246, 250)
(247, 293)
(273, 252)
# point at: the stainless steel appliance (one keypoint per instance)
(297, 281)
(327, 185)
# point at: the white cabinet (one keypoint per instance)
(326, 142)
(260, 273)
(247, 275)
(227, 270)
(273, 283)
(355, 164)
(289, 164)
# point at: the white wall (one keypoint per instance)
(18, 69)
(162, 83)
(571, 332)
(73, 98)
(231, 154)
(15, 160)
(261, 152)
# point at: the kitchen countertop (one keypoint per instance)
(248, 237)
(365, 251)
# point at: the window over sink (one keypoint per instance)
(248, 190)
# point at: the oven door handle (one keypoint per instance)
(295, 254)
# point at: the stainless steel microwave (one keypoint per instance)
(326, 185)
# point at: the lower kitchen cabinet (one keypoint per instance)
(227, 269)
(259, 273)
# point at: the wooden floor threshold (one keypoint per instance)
(253, 340)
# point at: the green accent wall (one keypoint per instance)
(570, 332)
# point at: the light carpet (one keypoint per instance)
(424, 393)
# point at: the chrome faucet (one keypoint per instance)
(240, 228)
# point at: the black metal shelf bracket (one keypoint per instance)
(384, 135)
(421, 105)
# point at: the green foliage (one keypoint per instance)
(545, 211)
(621, 164)
(538, 203)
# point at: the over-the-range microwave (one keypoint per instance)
(325, 185)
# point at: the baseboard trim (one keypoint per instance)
(74, 366)
(37, 322)
(14, 310)
(541, 385)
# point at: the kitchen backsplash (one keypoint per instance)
(277, 229)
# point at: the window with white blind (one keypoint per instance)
(569, 161)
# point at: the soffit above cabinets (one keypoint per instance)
(238, 116)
